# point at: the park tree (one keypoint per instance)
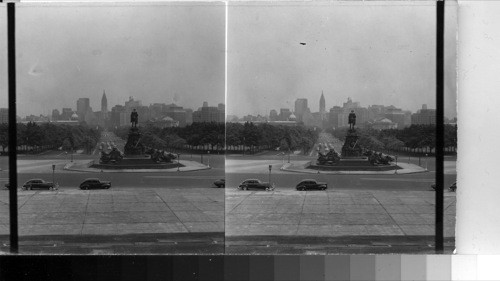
(67, 145)
(233, 134)
(391, 143)
(4, 136)
(251, 135)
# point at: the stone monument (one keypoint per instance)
(351, 147)
(134, 156)
(134, 147)
(353, 157)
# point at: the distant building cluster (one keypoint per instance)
(378, 117)
(156, 114)
(171, 115)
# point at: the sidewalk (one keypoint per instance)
(116, 211)
(334, 214)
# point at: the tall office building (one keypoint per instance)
(82, 106)
(55, 115)
(177, 113)
(424, 116)
(209, 113)
(300, 108)
(336, 117)
(66, 114)
(349, 105)
(104, 103)
(131, 104)
(273, 115)
(322, 108)
(284, 114)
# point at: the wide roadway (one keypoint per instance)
(71, 180)
(205, 178)
(288, 180)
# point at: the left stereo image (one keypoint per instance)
(120, 128)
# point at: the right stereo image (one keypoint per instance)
(331, 128)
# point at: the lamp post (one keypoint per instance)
(396, 171)
(208, 160)
(53, 175)
(289, 155)
(270, 168)
(426, 161)
(178, 161)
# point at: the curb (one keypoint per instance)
(287, 166)
(354, 172)
(69, 167)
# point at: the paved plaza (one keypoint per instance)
(113, 212)
(335, 213)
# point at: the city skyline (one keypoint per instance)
(157, 52)
(373, 53)
(327, 109)
(98, 105)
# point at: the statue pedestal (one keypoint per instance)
(133, 147)
(351, 147)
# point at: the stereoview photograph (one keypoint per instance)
(120, 129)
(330, 131)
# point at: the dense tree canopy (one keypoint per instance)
(414, 137)
(265, 136)
(193, 135)
(231, 136)
(34, 137)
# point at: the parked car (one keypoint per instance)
(220, 183)
(451, 188)
(94, 183)
(36, 184)
(311, 184)
(255, 184)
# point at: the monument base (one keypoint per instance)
(136, 163)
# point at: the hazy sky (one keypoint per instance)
(156, 53)
(373, 53)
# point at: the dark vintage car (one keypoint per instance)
(311, 184)
(95, 183)
(220, 183)
(36, 184)
(255, 184)
(451, 188)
